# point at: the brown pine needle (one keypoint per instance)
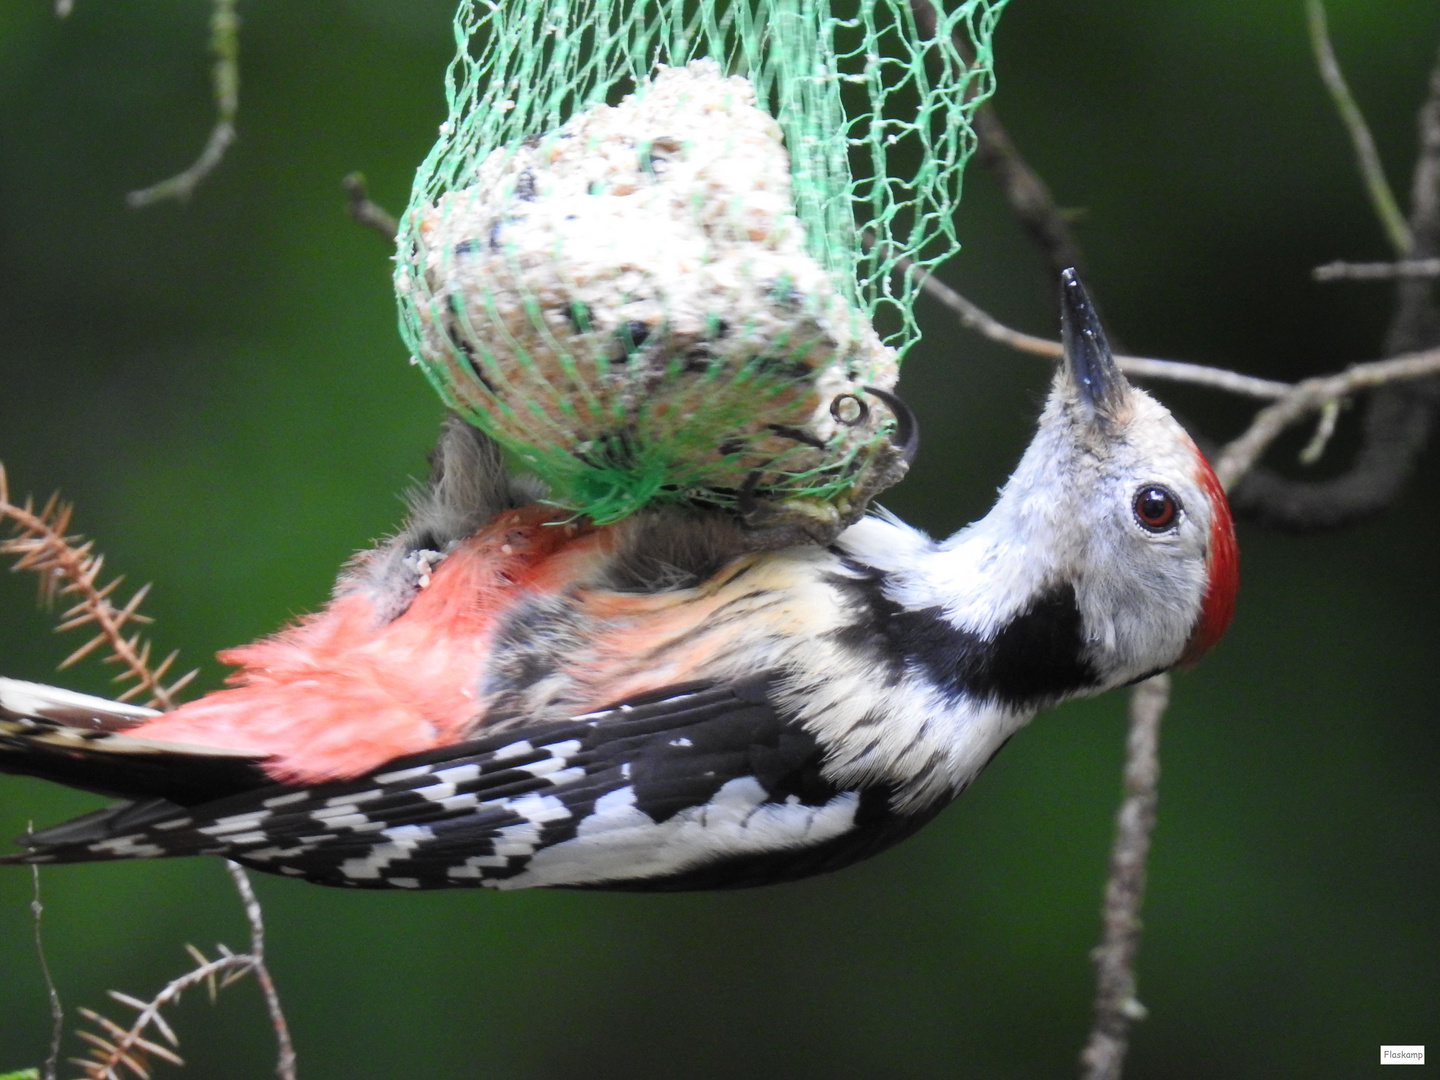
(114, 1030)
(163, 1053)
(82, 652)
(73, 622)
(96, 1040)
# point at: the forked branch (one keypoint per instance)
(1291, 401)
(118, 1050)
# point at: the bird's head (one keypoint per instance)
(1114, 501)
(1151, 544)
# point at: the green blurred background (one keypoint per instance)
(221, 389)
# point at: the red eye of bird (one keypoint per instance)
(1156, 508)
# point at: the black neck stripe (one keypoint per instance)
(1035, 659)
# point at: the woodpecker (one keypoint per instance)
(500, 697)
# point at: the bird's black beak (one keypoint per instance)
(1099, 383)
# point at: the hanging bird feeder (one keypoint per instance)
(637, 255)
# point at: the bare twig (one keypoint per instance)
(367, 213)
(285, 1064)
(57, 1012)
(1292, 401)
(1398, 418)
(117, 1048)
(1372, 172)
(1115, 1004)
(1377, 271)
(127, 1047)
(972, 317)
(1313, 394)
(225, 46)
(68, 566)
(1324, 432)
(1232, 382)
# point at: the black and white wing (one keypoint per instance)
(704, 786)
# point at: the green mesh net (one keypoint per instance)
(658, 251)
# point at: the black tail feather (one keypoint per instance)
(104, 824)
(132, 772)
(81, 741)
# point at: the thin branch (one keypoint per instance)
(1372, 172)
(225, 47)
(1232, 382)
(1324, 432)
(285, 1063)
(1312, 395)
(1116, 1006)
(1292, 401)
(57, 1012)
(1398, 418)
(1377, 271)
(972, 317)
(127, 1046)
(68, 566)
(118, 1048)
(367, 213)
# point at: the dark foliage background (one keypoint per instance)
(221, 389)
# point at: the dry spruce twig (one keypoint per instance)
(117, 1050)
(68, 566)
